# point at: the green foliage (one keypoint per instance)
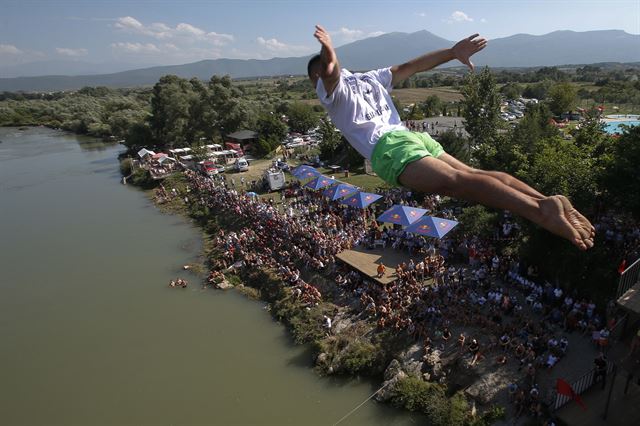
(199, 151)
(481, 108)
(478, 220)
(623, 177)
(562, 97)
(301, 117)
(359, 356)
(271, 131)
(429, 398)
(558, 166)
(538, 90)
(110, 113)
(455, 145)
(138, 136)
(143, 179)
(126, 166)
(170, 111)
(431, 106)
(330, 140)
(512, 90)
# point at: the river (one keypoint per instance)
(92, 335)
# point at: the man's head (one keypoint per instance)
(313, 69)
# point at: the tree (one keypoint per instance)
(511, 90)
(481, 108)
(455, 144)
(537, 90)
(431, 106)
(301, 117)
(138, 136)
(271, 132)
(558, 166)
(562, 97)
(226, 109)
(623, 178)
(331, 140)
(170, 106)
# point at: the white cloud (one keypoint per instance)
(376, 34)
(421, 14)
(183, 31)
(9, 49)
(166, 53)
(483, 20)
(66, 51)
(127, 47)
(275, 46)
(459, 16)
(348, 35)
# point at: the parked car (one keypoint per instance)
(241, 165)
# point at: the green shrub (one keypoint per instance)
(126, 166)
(415, 394)
(360, 356)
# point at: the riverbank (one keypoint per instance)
(353, 345)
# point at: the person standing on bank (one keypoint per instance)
(360, 106)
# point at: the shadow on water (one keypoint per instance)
(87, 143)
(303, 358)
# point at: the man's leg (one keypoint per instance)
(577, 220)
(431, 175)
(501, 176)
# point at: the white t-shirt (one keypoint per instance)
(361, 107)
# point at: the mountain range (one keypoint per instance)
(520, 50)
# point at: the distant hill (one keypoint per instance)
(521, 50)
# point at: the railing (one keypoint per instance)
(628, 278)
(580, 386)
(616, 333)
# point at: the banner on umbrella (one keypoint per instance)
(320, 182)
(432, 226)
(361, 199)
(339, 191)
(401, 215)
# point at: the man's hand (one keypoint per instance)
(464, 49)
(329, 58)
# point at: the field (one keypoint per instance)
(410, 96)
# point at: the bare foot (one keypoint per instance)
(581, 223)
(554, 220)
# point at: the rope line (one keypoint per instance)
(361, 404)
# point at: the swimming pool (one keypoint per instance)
(612, 127)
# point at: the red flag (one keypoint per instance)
(564, 388)
(622, 266)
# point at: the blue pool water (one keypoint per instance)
(616, 126)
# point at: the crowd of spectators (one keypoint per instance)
(505, 313)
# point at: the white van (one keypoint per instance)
(241, 165)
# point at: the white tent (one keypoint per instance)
(144, 152)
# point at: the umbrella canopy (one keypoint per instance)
(361, 199)
(303, 172)
(251, 194)
(401, 215)
(432, 226)
(320, 182)
(339, 191)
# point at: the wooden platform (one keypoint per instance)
(367, 261)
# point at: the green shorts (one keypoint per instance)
(398, 148)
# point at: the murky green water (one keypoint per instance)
(92, 335)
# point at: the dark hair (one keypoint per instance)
(315, 59)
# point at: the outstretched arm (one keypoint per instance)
(330, 73)
(461, 51)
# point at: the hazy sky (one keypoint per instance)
(171, 32)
